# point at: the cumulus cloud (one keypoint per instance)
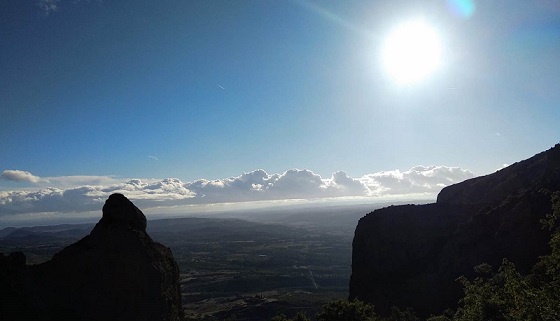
(256, 185)
(21, 176)
(344, 185)
(91, 197)
(419, 179)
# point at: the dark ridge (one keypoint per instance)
(411, 255)
(117, 272)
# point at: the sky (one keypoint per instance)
(201, 102)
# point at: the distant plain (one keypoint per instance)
(247, 265)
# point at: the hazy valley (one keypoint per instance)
(271, 261)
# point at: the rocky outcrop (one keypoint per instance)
(411, 255)
(117, 272)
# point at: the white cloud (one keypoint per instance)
(343, 185)
(48, 6)
(21, 176)
(419, 179)
(73, 181)
(257, 185)
(502, 167)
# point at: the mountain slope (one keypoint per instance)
(410, 256)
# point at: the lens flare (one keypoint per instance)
(461, 8)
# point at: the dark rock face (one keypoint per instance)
(119, 210)
(117, 272)
(410, 256)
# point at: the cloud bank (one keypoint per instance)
(20, 176)
(257, 185)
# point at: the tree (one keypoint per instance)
(344, 310)
(279, 317)
(509, 296)
(397, 314)
(300, 316)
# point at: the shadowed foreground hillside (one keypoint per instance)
(411, 255)
(117, 272)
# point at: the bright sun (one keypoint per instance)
(411, 52)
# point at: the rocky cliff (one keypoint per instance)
(117, 272)
(410, 256)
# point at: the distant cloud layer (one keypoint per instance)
(257, 185)
(20, 176)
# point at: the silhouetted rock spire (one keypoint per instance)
(117, 272)
(119, 210)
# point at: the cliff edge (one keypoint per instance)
(411, 255)
(117, 272)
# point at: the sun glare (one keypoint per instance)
(411, 52)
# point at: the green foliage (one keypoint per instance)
(401, 315)
(505, 295)
(483, 269)
(439, 318)
(509, 296)
(300, 316)
(279, 317)
(551, 219)
(344, 310)
(341, 310)
(446, 316)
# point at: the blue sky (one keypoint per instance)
(94, 93)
